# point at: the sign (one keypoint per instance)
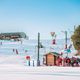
(52, 34)
(67, 51)
(28, 57)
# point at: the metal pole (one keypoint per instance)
(65, 39)
(33, 63)
(38, 61)
(74, 27)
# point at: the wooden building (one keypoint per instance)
(50, 58)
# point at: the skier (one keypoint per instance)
(16, 51)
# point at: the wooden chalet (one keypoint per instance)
(50, 58)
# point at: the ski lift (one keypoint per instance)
(53, 37)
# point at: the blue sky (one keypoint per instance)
(44, 16)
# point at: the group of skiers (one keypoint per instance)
(15, 50)
(67, 61)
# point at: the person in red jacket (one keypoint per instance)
(59, 61)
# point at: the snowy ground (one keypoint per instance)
(14, 68)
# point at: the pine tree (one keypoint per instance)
(76, 39)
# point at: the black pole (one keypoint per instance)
(29, 62)
(38, 61)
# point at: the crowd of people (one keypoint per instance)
(68, 61)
